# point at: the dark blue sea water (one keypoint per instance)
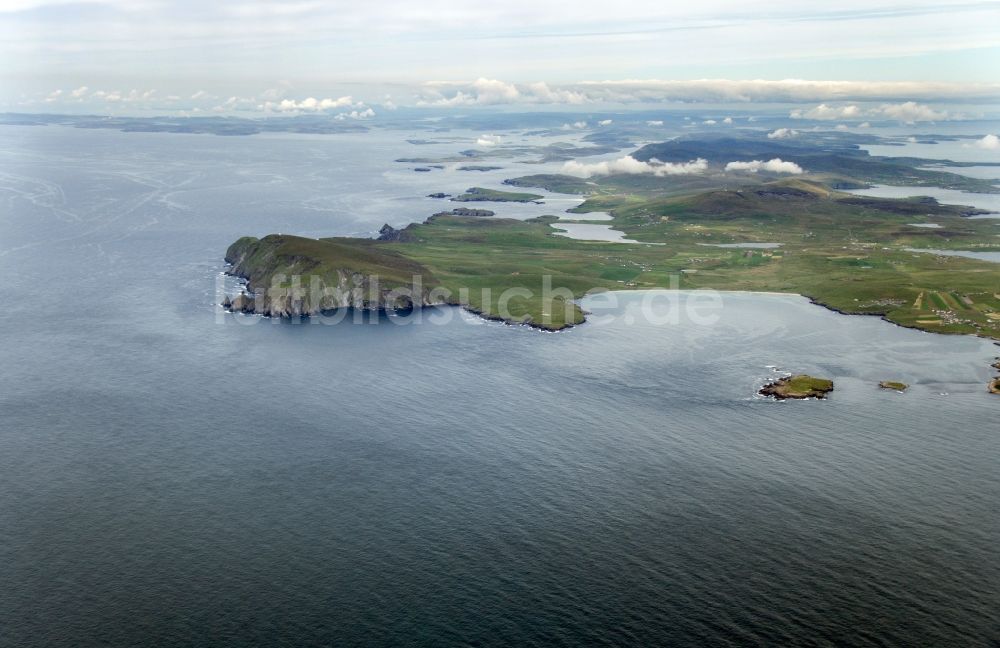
(174, 476)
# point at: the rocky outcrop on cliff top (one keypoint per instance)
(389, 233)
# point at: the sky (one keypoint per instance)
(222, 56)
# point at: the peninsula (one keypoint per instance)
(849, 253)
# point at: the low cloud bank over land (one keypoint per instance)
(908, 112)
(835, 100)
(495, 92)
(776, 165)
(989, 142)
(630, 165)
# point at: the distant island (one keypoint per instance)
(479, 167)
(479, 194)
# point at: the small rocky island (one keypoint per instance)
(479, 194)
(893, 384)
(799, 386)
(465, 211)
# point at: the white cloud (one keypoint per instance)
(604, 122)
(838, 101)
(824, 112)
(485, 91)
(655, 122)
(841, 127)
(113, 96)
(482, 91)
(53, 96)
(273, 94)
(787, 90)
(236, 103)
(989, 142)
(910, 112)
(864, 125)
(489, 140)
(341, 102)
(576, 124)
(310, 104)
(367, 113)
(492, 91)
(139, 95)
(542, 93)
(782, 133)
(522, 39)
(110, 96)
(630, 165)
(710, 122)
(776, 165)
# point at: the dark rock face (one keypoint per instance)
(306, 278)
(389, 233)
(242, 303)
(355, 295)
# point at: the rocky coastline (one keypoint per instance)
(274, 266)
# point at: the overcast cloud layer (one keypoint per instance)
(293, 56)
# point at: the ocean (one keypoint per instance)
(173, 475)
